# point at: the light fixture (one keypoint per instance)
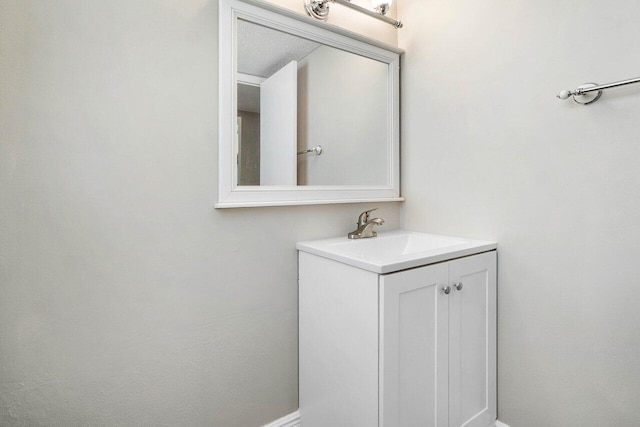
(381, 6)
(319, 9)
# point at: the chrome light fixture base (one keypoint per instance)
(382, 9)
(318, 9)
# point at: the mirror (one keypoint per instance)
(308, 112)
(336, 99)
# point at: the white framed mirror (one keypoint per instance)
(309, 112)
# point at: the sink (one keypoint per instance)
(395, 250)
(392, 245)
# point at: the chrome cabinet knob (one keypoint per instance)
(446, 290)
(458, 286)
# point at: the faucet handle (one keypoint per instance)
(364, 216)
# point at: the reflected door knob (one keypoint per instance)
(458, 286)
(446, 290)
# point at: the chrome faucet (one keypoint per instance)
(365, 226)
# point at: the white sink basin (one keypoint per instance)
(395, 250)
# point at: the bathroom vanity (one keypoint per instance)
(397, 330)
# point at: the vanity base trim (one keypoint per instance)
(293, 420)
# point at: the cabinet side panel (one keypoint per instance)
(414, 348)
(472, 341)
(338, 312)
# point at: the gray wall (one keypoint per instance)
(489, 152)
(125, 298)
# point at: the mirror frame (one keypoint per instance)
(230, 195)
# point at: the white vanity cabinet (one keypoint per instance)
(438, 350)
(413, 347)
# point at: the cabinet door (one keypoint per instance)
(472, 341)
(413, 348)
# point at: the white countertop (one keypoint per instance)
(395, 250)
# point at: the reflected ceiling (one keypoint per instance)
(262, 51)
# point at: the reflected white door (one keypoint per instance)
(279, 127)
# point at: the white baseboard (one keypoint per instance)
(501, 424)
(291, 420)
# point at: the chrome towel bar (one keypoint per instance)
(585, 91)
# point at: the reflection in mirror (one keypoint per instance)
(248, 133)
(294, 94)
(308, 112)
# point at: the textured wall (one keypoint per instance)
(489, 152)
(125, 298)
